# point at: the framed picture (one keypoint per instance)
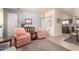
(58, 20)
(28, 21)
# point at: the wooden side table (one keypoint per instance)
(33, 35)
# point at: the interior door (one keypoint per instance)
(12, 23)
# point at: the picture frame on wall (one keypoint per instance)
(28, 21)
(58, 20)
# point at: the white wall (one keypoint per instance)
(56, 28)
(50, 28)
(61, 14)
(76, 12)
(1, 16)
(1, 22)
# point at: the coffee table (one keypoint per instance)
(6, 39)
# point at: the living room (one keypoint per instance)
(49, 20)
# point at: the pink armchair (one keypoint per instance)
(21, 37)
(41, 33)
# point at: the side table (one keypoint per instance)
(33, 35)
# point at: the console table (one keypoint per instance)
(31, 30)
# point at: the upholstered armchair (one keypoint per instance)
(21, 37)
(41, 33)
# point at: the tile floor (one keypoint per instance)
(60, 41)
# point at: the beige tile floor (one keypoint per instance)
(60, 41)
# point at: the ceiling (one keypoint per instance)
(37, 10)
(41, 10)
(69, 10)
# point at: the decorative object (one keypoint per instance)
(28, 21)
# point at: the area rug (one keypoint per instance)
(72, 40)
(42, 45)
